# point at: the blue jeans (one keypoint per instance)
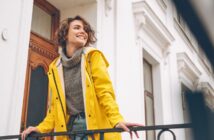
(77, 123)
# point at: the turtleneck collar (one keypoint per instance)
(72, 61)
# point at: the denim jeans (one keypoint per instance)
(77, 123)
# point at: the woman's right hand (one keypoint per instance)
(27, 131)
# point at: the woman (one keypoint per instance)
(81, 91)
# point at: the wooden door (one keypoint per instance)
(42, 51)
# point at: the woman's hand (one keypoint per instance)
(27, 131)
(125, 125)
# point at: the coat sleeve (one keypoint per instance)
(48, 123)
(103, 88)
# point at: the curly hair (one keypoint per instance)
(62, 32)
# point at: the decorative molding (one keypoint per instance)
(162, 4)
(36, 48)
(108, 6)
(39, 62)
(207, 88)
(165, 55)
(41, 52)
(184, 36)
(187, 68)
(205, 62)
(208, 91)
(194, 47)
(147, 20)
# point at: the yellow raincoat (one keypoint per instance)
(99, 99)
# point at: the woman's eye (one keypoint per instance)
(76, 27)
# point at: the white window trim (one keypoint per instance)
(162, 4)
(184, 32)
(189, 74)
(147, 20)
(208, 91)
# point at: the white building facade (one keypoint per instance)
(153, 59)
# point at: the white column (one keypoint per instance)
(128, 66)
(106, 33)
(16, 22)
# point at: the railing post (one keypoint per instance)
(164, 130)
(82, 137)
(92, 136)
(101, 135)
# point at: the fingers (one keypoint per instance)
(27, 131)
(123, 126)
(131, 136)
(24, 134)
(133, 124)
(136, 134)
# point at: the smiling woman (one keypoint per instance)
(75, 31)
(82, 95)
(77, 34)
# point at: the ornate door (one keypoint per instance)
(42, 51)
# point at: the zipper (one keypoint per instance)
(58, 94)
(84, 86)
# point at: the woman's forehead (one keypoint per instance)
(76, 22)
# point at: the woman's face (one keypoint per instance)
(77, 36)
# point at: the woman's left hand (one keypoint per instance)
(125, 125)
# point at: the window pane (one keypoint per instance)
(37, 100)
(41, 22)
(188, 132)
(149, 111)
(147, 68)
(150, 117)
(149, 102)
(185, 90)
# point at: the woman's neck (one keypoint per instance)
(70, 49)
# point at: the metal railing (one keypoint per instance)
(101, 132)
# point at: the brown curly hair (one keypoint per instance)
(62, 32)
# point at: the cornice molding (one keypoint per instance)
(162, 4)
(184, 36)
(188, 68)
(208, 93)
(39, 62)
(146, 19)
(36, 48)
(108, 6)
(207, 88)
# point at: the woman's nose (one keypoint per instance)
(82, 30)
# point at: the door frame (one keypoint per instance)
(41, 53)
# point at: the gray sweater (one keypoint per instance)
(73, 82)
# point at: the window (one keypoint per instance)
(41, 22)
(186, 90)
(149, 98)
(45, 20)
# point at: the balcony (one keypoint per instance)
(102, 132)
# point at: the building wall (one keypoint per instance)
(85, 11)
(127, 32)
(15, 31)
(175, 57)
(129, 79)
